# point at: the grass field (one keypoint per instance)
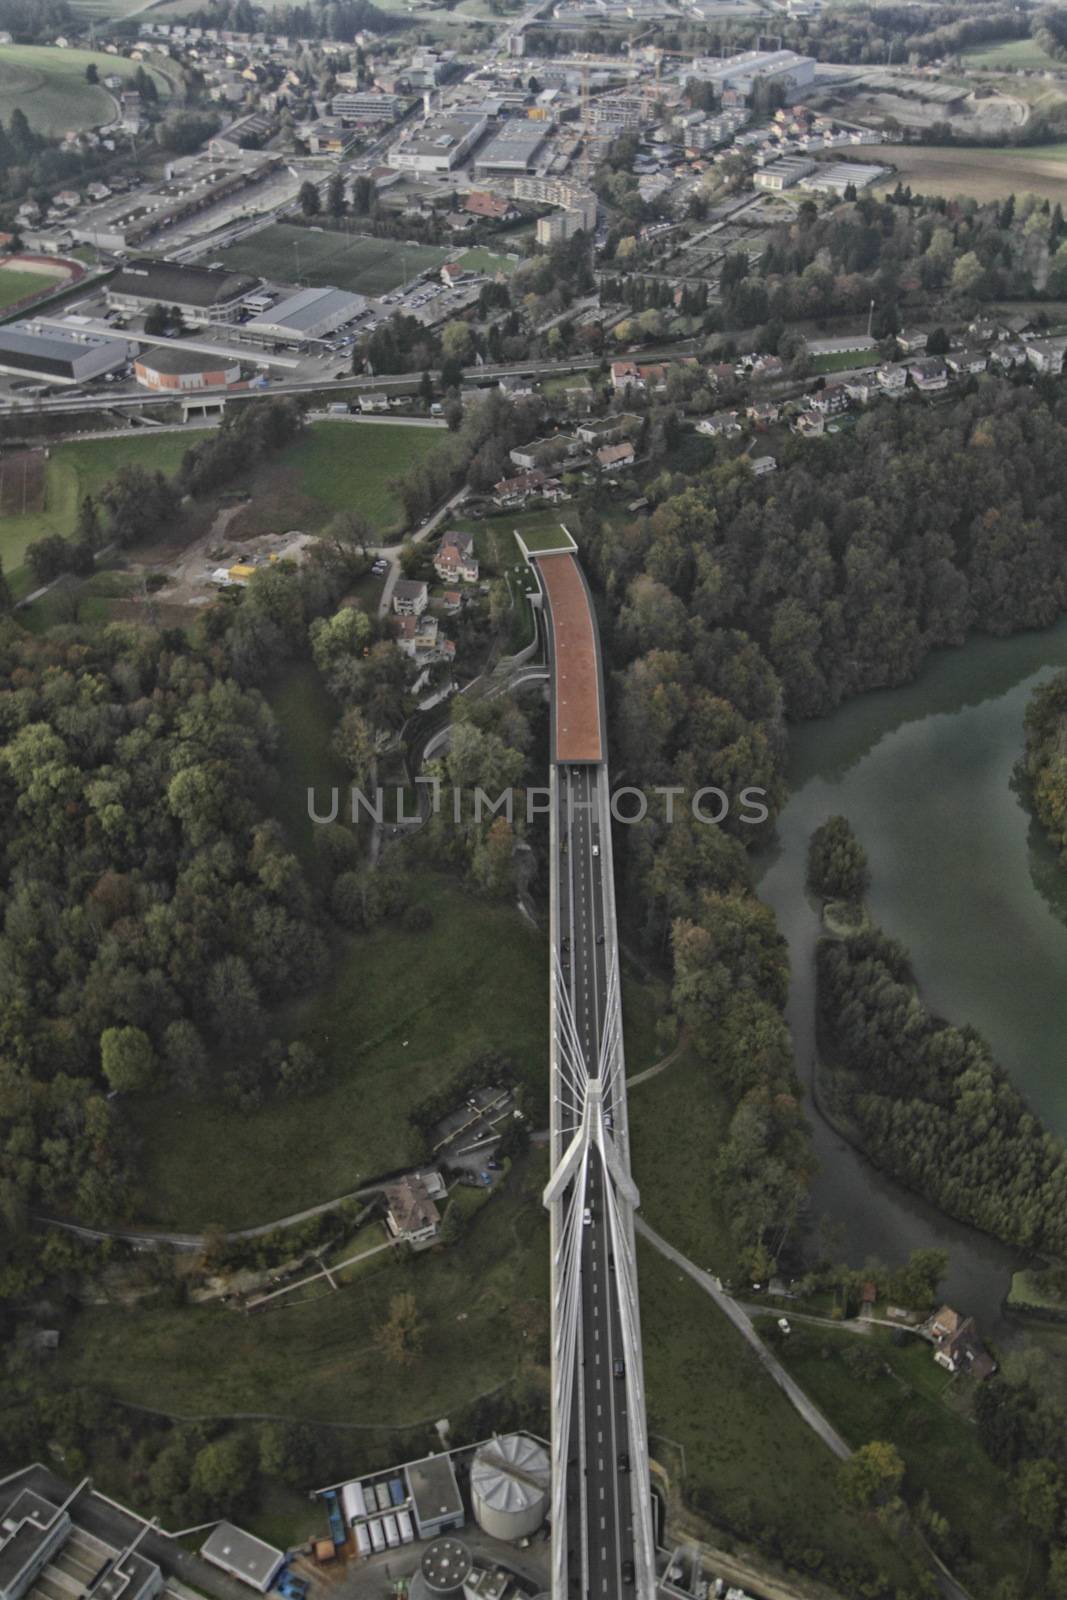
(395, 1021)
(1008, 55)
(15, 284)
(482, 260)
(980, 174)
(844, 360)
(73, 471)
(910, 1406)
(541, 530)
(750, 1464)
(677, 1121)
(49, 85)
(335, 466)
(317, 1361)
(353, 261)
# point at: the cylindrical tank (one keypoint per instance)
(510, 1481)
(443, 1570)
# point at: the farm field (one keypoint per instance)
(980, 174)
(71, 472)
(1008, 55)
(353, 261)
(16, 284)
(49, 85)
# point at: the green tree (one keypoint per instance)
(225, 1470)
(872, 1476)
(127, 1059)
(400, 1336)
(92, 74)
(837, 862)
(6, 601)
(310, 203)
(335, 196)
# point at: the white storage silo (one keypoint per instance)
(510, 1482)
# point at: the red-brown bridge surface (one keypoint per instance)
(575, 661)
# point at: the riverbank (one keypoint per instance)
(964, 878)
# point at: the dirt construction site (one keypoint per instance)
(197, 572)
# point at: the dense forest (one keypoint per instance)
(930, 1104)
(1046, 757)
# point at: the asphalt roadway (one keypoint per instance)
(600, 1560)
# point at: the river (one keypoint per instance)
(963, 876)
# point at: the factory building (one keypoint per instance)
(170, 368)
(59, 355)
(835, 177)
(311, 314)
(434, 1495)
(514, 149)
(510, 1483)
(202, 294)
(439, 145)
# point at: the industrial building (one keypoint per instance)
(367, 106)
(42, 1550)
(170, 368)
(783, 173)
(434, 1494)
(514, 149)
(311, 314)
(835, 177)
(743, 72)
(188, 187)
(510, 1484)
(201, 294)
(243, 1556)
(59, 355)
(439, 145)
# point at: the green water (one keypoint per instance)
(962, 875)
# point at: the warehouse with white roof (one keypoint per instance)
(310, 314)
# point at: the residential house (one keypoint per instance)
(480, 203)
(831, 400)
(613, 457)
(410, 1213)
(374, 402)
(513, 491)
(721, 424)
(892, 379)
(543, 453)
(410, 597)
(911, 344)
(625, 374)
(957, 1346)
(763, 413)
(861, 390)
(455, 558)
(1046, 355)
(809, 424)
(1008, 354)
(966, 363)
(452, 601)
(929, 376)
(609, 429)
(762, 465)
(416, 636)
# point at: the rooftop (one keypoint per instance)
(576, 661)
(433, 1488)
(174, 284)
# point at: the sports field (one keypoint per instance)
(978, 173)
(49, 86)
(482, 260)
(353, 261)
(16, 285)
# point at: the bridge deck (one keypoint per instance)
(577, 701)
